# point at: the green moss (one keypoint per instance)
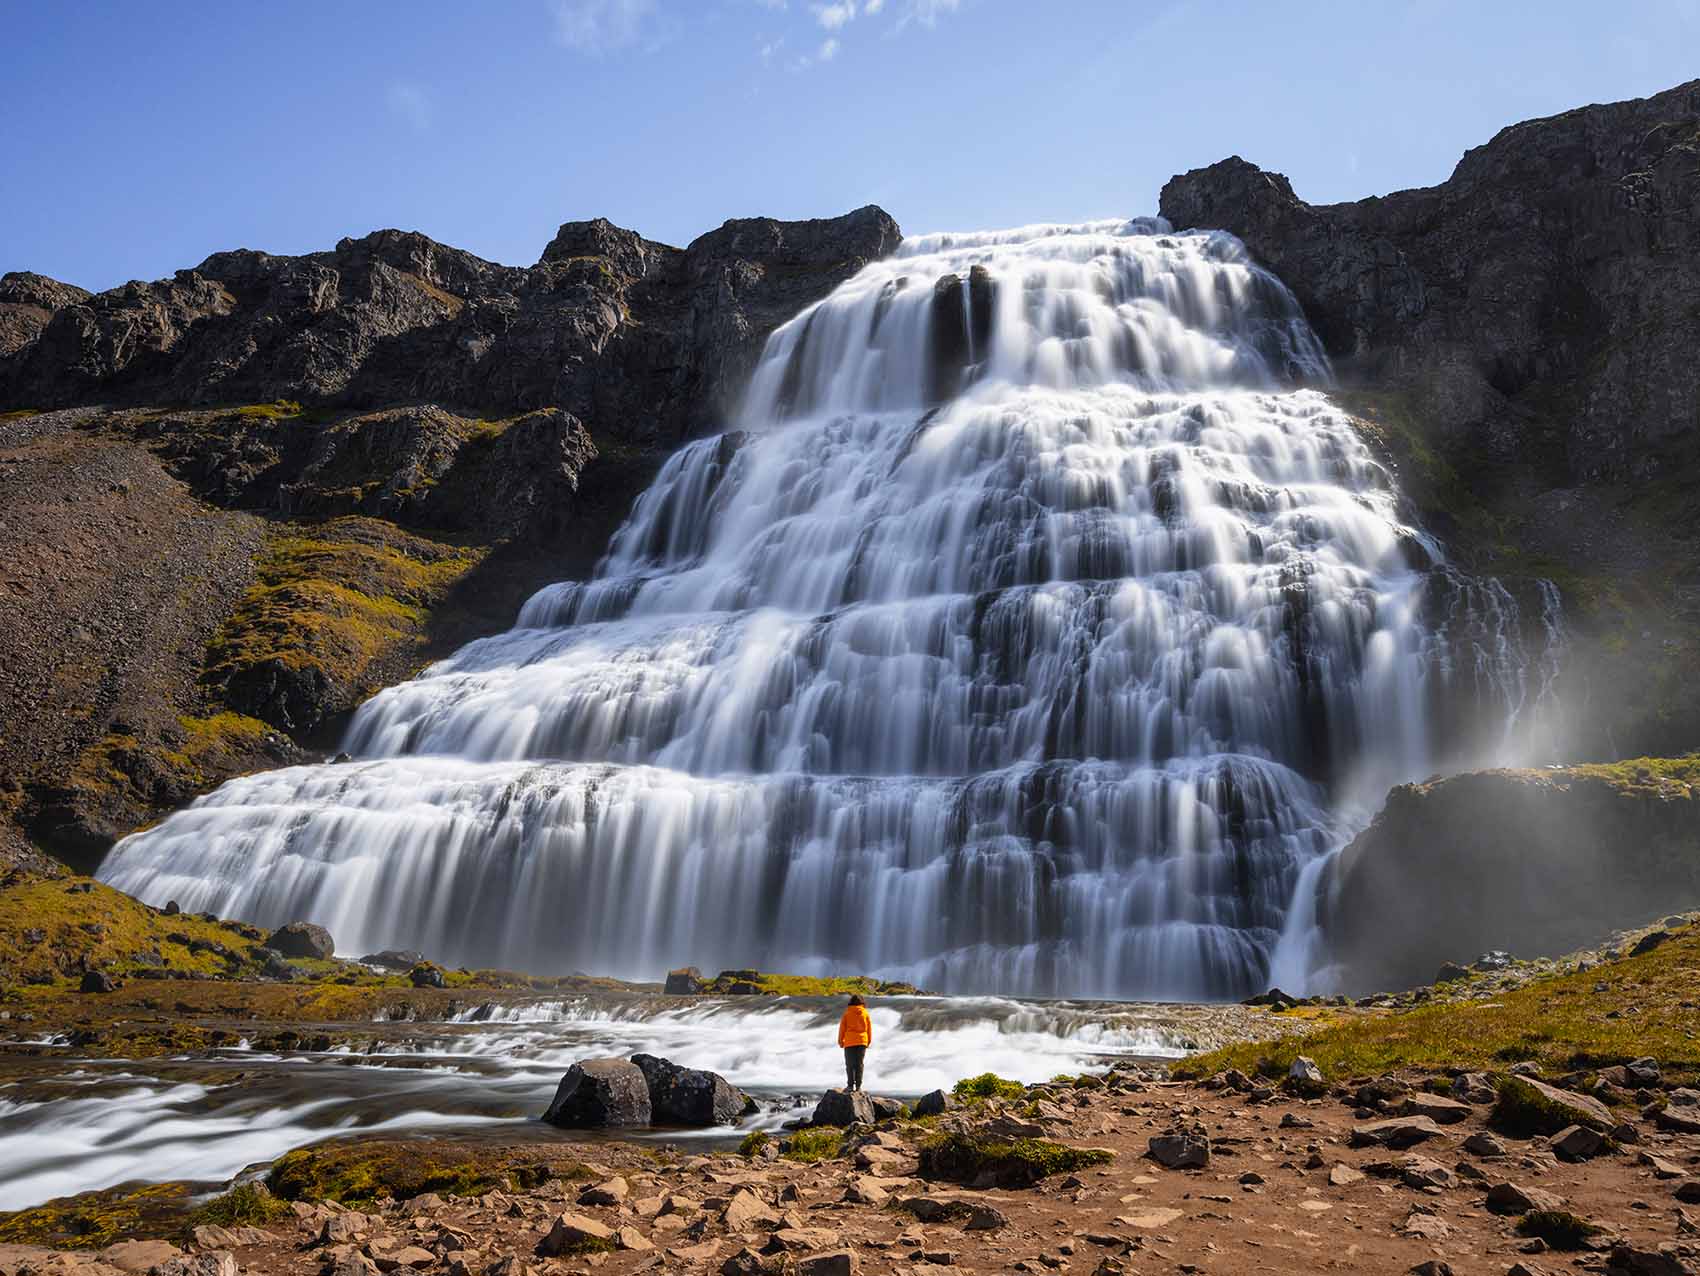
(245, 1205)
(360, 1173)
(988, 1085)
(813, 1145)
(93, 1220)
(731, 982)
(967, 1158)
(18, 414)
(1523, 1112)
(1558, 1228)
(754, 1142)
(276, 411)
(1561, 1023)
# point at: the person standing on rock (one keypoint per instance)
(855, 1034)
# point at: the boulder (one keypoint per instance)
(572, 1233)
(937, 1103)
(426, 975)
(1528, 1106)
(746, 1212)
(139, 1256)
(1517, 1198)
(886, 1109)
(1181, 1149)
(96, 981)
(1577, 1143)
(689, 1096)
(1400, 1132)
(302, 939)
(836, 1262)
(842, 1107)
(1442, 1110)
(400, 960)
(684, 982)
(600, 1092)
(1305, 1072)
(608, 1192)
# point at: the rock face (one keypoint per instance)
(1539, 862)
(1563, 253)
(403, 454)
(650, 340)
(600, 1092)
(689, 1096)
(302, 939)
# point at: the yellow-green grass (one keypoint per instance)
(93, 1220)
(782, 985)
(1646, 1005)
(361, 1172)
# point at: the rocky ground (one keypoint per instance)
(1227, 1176)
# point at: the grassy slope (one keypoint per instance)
(1646, 1005)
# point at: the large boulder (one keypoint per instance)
(689, 1096)
(843, 1107)
(302, 939)
(600, 1092)
(686, 981)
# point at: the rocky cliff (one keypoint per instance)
(1536, 863)
(285, 482)
(1521, 339)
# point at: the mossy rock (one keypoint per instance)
(1526, 1109)
(93, 1220)
(813, 1145)
(754, 1143)
(360, 1173)
(988, 1085)
(1560, 1229)
(969, 1158)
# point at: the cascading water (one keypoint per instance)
(1031, 635)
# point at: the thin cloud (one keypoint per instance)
(828, 50)
(598, 26)
(835, 15)
(926, 12)
(409, 103)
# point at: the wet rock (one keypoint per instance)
(302, 939)
(600, 1092)
(842, 1107)
(572, 1233)
(689, 1096)
(936, 1103)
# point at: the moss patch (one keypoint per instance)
(360, 1173)
(764, 983)
(245, 1205)
(988, 1085)
(813, 1145)
(1523, 1112)
(1564, 1024)
(93, 1220)
(754, 1143)
(967, 1158)
(1558, 1228)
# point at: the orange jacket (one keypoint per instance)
(855, 1029)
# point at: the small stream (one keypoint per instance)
(71, 1125)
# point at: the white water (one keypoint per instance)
(99, 1125)
(1034, 634)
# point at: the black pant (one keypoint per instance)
(853, 1056)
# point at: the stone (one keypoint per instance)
(1181, 1149)
(598, 1093)
(689, 1096)
(1473, 1087)
(1305, 1072)
(864, 1190)
(1451, 972)
(1396, 1133)
(96, 981)
(1432, 1267)
(800, 1240)
(1577, 1143)
(219, 1262)
(1688, 1192)
(1428, 1226)
(1679, 1119)
(749, 1262)
(1517, 1198)
(1441, 1110)
(838, 1262)
(686, 981)
(571, 1233)
(139, 1256)
(842, 1107)
(885, 1109)
(302, 939)
(1566, 1106)
(630, 1238)
(1484, 1145)
(427, 975)
(746, 1212)
(407, 1256)
(608, 1192)
(1631, 1260)
(1420, 1172)
(935, 1103)
(1343, 1175)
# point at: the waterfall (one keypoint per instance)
(1031, 633)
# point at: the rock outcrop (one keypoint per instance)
(689, 1096)
(600, 1092)
(302, 939)
(407, 442)
(640, 339)
(1518, 342)
(1536, 862)
(1562, 257)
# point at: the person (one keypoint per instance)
(855, 1034)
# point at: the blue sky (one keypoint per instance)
(136, 138)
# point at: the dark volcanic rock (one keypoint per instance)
(640, 339)
(302, 939)
(1564, 255)
(600, 1092)
(843, 1107)
(684, 982)
(689, 1096)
